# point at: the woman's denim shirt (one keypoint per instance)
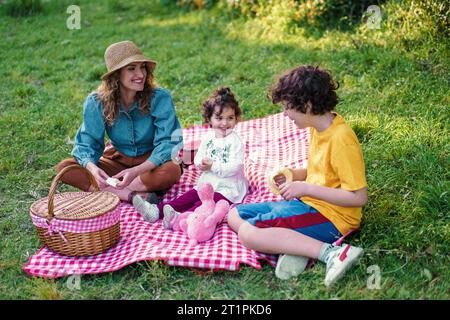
(132, 133)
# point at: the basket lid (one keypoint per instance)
(77, 205)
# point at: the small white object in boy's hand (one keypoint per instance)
(112, 182)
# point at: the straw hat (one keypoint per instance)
(120, 54)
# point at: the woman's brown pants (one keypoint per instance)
(113, 162)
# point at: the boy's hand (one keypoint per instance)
(295, 189)
(279, 179)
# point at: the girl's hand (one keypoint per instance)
(126, 176)
(292, 190)
(99, 175)
(206, 164)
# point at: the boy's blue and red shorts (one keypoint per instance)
(293, 214)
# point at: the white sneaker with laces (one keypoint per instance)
(339, 261)
(148, 211)
(169, 216)
(290, 266)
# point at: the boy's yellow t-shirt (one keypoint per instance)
(335, 160)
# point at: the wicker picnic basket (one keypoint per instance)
(77, 223)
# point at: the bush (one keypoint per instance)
(20, 8)
(316, 13)
(332, 13)
(322, 14)
(440, 14)
(421, 27)
(195, 4)
(410, 25)
(431, 16)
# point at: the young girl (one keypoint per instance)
(220, 157)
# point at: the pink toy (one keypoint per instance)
(200, 225)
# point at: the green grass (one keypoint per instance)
(397, 102)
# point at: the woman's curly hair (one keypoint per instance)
(109, 94)
(222, 98)
(306, 83)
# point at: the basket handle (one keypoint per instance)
(57, 179)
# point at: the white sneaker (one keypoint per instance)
(290, 266)
(340, 261)
(169, 216)
(148, 211)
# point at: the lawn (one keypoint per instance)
(397, 101)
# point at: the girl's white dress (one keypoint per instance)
(227, 171)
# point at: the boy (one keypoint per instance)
(324, 201)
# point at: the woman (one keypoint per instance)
(141, 123)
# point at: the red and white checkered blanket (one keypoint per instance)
(270, 142)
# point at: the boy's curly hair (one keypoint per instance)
(222, 98)
(306, 83)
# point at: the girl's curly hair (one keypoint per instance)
(306, 83)
(222, 98)
(109, 94)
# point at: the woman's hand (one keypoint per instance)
(99, 175)
(126, 177)
(292, 190)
